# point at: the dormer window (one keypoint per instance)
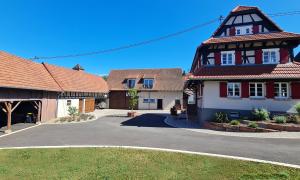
(243, 30)
(131, 83)
(271, 56)
(148, 83)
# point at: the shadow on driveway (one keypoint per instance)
(147, 120)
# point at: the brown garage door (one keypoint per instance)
(119, 100)
(89, 105)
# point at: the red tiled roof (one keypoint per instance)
(164, 79)
(77, 81)
(280, 71)
(20, 73)
(243, 8)
(254, 37)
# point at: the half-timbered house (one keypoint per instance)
(247, 63)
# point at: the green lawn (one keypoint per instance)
(114, 163)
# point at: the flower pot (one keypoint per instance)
(131, 114)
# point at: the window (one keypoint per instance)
(234, 89)
(281, 90)
(148, 83)
(130, 83)
(228, 58)
(69, 102)
(256, 90)
(148, 100)
(270, 56)
(243, 30)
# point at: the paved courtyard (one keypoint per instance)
(149, 130)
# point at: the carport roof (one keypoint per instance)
(17, 72)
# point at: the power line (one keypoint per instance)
(141, 43)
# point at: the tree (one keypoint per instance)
(133, 98)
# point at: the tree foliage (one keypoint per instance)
(133, 98)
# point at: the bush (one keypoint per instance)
(253, 125)
(297, 107)
(280, 119)
(73, 111)
(292, 118)
(261, 114)
(234, 122)
(84, 117)
(221, 117)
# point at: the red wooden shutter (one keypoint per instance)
(232, 31)
(255, 29)
(270, 89)
(295, 89)
(238, 57)
(245, 89)
(223, 89)
(284, 55)
(258, 56)
(217, 58)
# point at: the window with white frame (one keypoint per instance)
(281, 90)
(131, 83)
(234, 89)
(256, 90)
(271, 56)
(243, 30)
(148, 83)
(148, 100)
(228, 58)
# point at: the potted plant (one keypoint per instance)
(133, 101)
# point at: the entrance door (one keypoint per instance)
(159, 104)
(81, 105)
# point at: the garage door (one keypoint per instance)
(89, 105)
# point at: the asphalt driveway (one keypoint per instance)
(149, 130)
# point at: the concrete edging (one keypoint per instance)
(266, 135)
(159, 149)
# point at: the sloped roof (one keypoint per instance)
(254, 37)
(164, 79)
(279, 71)
(246, 9)
(243, 8)
(20, 73)
(76, 81)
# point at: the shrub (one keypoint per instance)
(221, 117)
(234, 122)
(261, 114)
(297, 107)
(92, 117)
(84, 117)
(253, 125)
(280, 119)
(292, 118)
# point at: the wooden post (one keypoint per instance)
(8, 106)
(38, 120)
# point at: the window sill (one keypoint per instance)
(231, 97)
(281, 99)
(257, 98)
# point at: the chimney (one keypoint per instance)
(77, 67)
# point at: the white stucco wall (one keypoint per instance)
(212, 99)
(62, 108)
(168, 98)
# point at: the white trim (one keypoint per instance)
(159, 149)
(255, 84)
(240, 91)
(277, 55)
(233, 58)
(280, 88)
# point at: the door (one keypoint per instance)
(159, 104)
(89, 105)
(81, 105)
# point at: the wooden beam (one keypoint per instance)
(38, 120)
(9, 112)
(15, 106)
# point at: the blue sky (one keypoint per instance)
(55, 27)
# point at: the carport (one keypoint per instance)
(20, 111)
